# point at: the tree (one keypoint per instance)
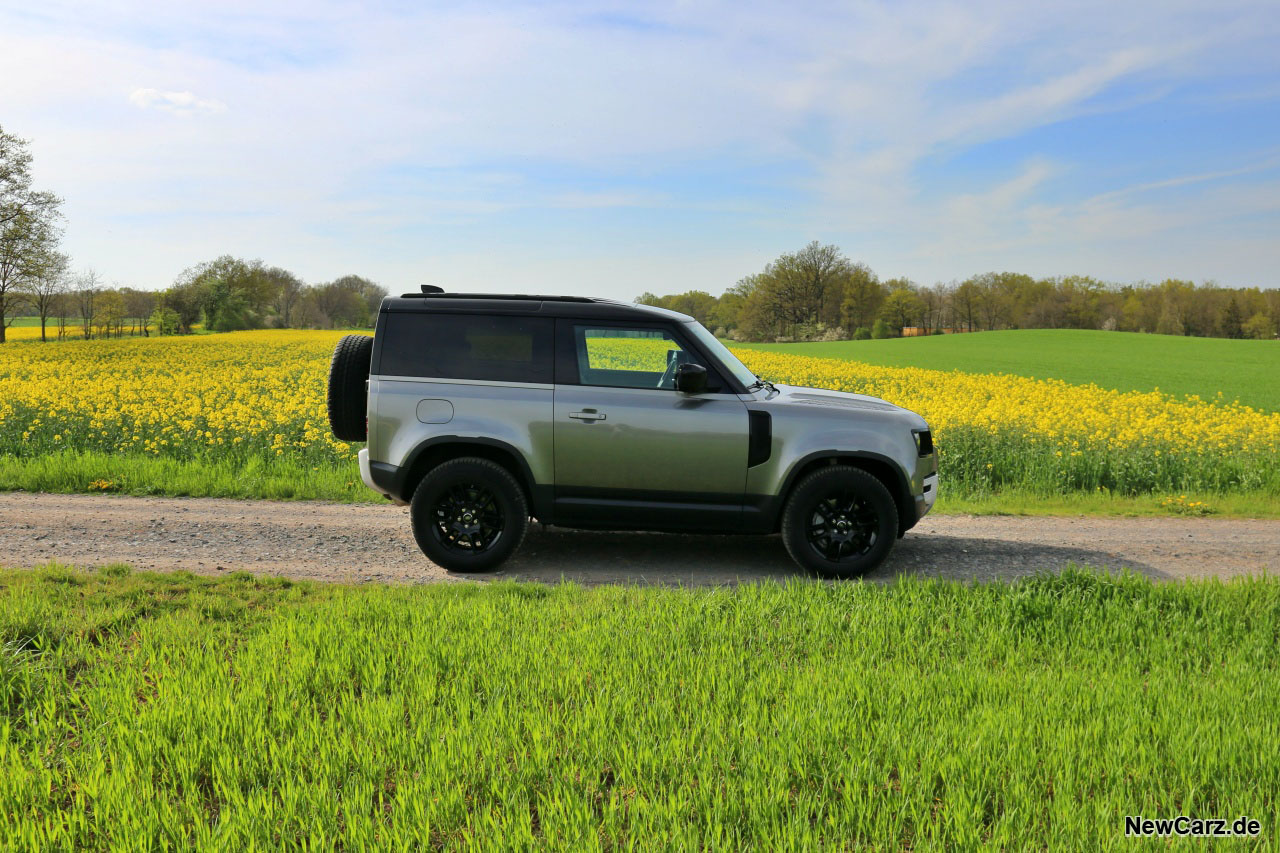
(29, 232)
(1259, 327)
(28, 253)
(901, 308)
(370, 293)
(17, 198)
(230, 292)
(881, 330)
(184, 300)
(86, 297)
(965, 304)
(165, 320)
(863, 294)
(62, 307)
(1232, 321)
(45, 291)
(108, 312)
(935, 301)
(698, 304)
(804, 287)
(289, 289)
(138, 306)
(1177, 299)
(339, 306)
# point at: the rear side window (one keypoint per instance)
(461, 346)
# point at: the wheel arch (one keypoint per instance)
(877, 465)
(440, 449)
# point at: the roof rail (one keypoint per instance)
(443, 295)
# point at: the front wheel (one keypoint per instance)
(839, 522)
(469, 515)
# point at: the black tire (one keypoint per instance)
(469, 514)
(348, 399)
(839, 522)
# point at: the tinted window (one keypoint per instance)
(462, 346)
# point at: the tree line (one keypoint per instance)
(225, 294)
(818, 293)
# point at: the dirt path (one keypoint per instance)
(337, 542)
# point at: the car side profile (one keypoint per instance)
(482, 411)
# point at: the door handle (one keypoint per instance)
(588, 415)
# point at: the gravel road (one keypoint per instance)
(373, 543)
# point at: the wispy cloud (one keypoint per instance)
(177, 103)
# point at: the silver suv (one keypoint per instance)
(483, 410)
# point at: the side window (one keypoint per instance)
(482, 347)
(628, 358)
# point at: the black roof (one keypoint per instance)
(589, 308)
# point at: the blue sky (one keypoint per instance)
(612, 148)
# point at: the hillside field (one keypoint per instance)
(1248, 371)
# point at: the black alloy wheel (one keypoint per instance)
(839, 522)
(467, 518)
(843, 525)
(469, 514)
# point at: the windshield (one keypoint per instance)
(721, 353)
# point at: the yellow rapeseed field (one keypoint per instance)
(260, 395)
(1070, 415)
(247, 392)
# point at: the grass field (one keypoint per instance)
(1248, 371)
(149, 711)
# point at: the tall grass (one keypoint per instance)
(204, 475)
(147, 711)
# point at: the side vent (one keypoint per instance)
(760, 444)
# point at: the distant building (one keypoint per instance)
(916, 331)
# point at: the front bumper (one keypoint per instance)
(926, 501)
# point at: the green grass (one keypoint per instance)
(1248, 371)
(71, 472)
(149, 711)
(209, 476)
(1253, 504)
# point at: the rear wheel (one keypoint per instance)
(839, 522)
(469, 515)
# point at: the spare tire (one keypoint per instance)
(348, 397)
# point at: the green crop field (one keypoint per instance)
(170, 711)
(1248, 371)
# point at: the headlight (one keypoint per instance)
(924, 441)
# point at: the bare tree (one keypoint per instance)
(61, 309)
(86, 298)
(138, 306)
(45, 290)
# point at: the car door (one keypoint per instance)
(631, 451)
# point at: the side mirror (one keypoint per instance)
(691, 378)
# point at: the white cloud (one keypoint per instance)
(178, 103)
